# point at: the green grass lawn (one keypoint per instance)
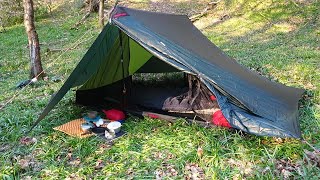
(280, 40)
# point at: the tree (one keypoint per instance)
(92, 5)
(101, 13)
(33, 40)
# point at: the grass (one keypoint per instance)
(280, 40)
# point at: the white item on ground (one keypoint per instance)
(114, 126)
(99, 122)
(85, 127)
(108, 135)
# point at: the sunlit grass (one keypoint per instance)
(280, 40)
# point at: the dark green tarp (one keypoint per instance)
(249, 101)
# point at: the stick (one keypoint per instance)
(169, 118)
(81, 20)
(204, 12)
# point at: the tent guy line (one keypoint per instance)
(36, 77)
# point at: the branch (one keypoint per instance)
(205, 11)
(81, 20)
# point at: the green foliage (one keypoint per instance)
(11, 12)
(279, 40)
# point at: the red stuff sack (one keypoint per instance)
(213, 98)
(114, 114)
(219, 120)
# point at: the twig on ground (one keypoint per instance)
(81, 20)
(205, 11)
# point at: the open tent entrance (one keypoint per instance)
(144, 82)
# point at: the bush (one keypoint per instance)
(11, 12)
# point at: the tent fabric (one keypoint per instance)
(106, 75)
(138, 56)
(86, 67)
(249, 101)
(179, 39)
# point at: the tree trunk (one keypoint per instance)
(101, 14)
(33, 40)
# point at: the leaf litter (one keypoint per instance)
(28, 140)
(193, 172)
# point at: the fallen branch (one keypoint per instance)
(205, 11)
(81, 20)
(169, 118)
(174, 119)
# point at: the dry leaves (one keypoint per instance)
(245, 168)
(103, 148)
(28, 141)
(285, 168)
(74, 176)
(99, 164)
(158, 155)
(130, 173)
(71, 160)
(75, 162)
(193, 171)
(288, 169)
(28, 162)
(166, 156)
(313, 157)
(166, 170)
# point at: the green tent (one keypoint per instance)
(137, 41)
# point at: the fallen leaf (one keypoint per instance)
(28, 140)
(103, 147)
(193, 172)
(129, 172)
(23, 163)
(158, 155)
(28, 162)
(286, 168)
(159, 174)
(69, 156)
(245, 167)
(74, 176)
(75, 162)
(286, 173)
(200, 152)
(99, 164)
(313, 157)
(169, 156)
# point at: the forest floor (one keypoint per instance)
(278, 39)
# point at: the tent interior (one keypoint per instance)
(144, 82)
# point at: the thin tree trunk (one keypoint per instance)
(33, 40)
(101, 14)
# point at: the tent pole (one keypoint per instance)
(124, 90)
